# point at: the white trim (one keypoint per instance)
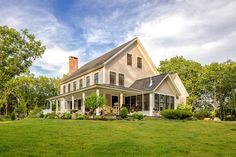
(171, 82)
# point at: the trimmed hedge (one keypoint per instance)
(176, 114)
(138, 116)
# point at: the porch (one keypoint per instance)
(116, 97)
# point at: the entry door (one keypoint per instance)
(115, 99)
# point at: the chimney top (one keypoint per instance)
(73, 64)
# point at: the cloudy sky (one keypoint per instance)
(200, 30)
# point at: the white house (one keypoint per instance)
(126, 76)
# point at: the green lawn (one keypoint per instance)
(51, 137)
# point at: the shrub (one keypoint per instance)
(35, 113)
(82, 117)
(203, 113)
(138, 116)
(52, 115)
(123, 112)
(176, 114)
(184, 107)
(66, 115)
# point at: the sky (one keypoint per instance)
(200, 30)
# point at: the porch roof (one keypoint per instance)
(99, 86)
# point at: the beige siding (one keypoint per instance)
(100, 74)
(132, 73)
(166, 88)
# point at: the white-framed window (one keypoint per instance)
(96, 78)
(88, 81)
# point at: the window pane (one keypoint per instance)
(81, 83)
(139, 62)
(64, 89)
(121, 79)
(146, 102)
(112, 78)
(68, 87)
(74, 85)
(139, 103)
(87, 80)
(96, 78)
(129, 59)
(133, 103)
(157, 97)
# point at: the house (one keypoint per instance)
(126, 76)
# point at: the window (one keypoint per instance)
(172, 102)
(96, 78)
(74, 85)
(112, 78)
(87, 80)
(133, 103)
(157, 97)
(146, 102)
(64, 89)
(139, 103)
(163, 102)
(69, 87)
(121, 79)
(139, 62)
(81, 83)
(129, 59)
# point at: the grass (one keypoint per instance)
(53, 137)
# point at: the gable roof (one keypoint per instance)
(98, 62)
(144, 84)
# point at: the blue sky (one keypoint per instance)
(200, 30)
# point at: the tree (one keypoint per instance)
(189, 72)
(94, 101)
(18, 50)
(28, 90)
(218, 82)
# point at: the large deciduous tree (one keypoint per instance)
(189, 72)
(17, 52)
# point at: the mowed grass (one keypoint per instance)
(55, 137)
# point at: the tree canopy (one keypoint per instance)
(18, 51)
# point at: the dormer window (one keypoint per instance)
(87, 80)
(129, 59)
(139, 62)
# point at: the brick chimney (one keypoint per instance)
(73, 64)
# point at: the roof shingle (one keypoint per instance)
(144, 84)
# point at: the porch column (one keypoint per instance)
(151, 104)
(62, 105)
(73, 102)
(50, 102)
(97, 110)
(121, 99)
(83, 105)
(56, 106)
